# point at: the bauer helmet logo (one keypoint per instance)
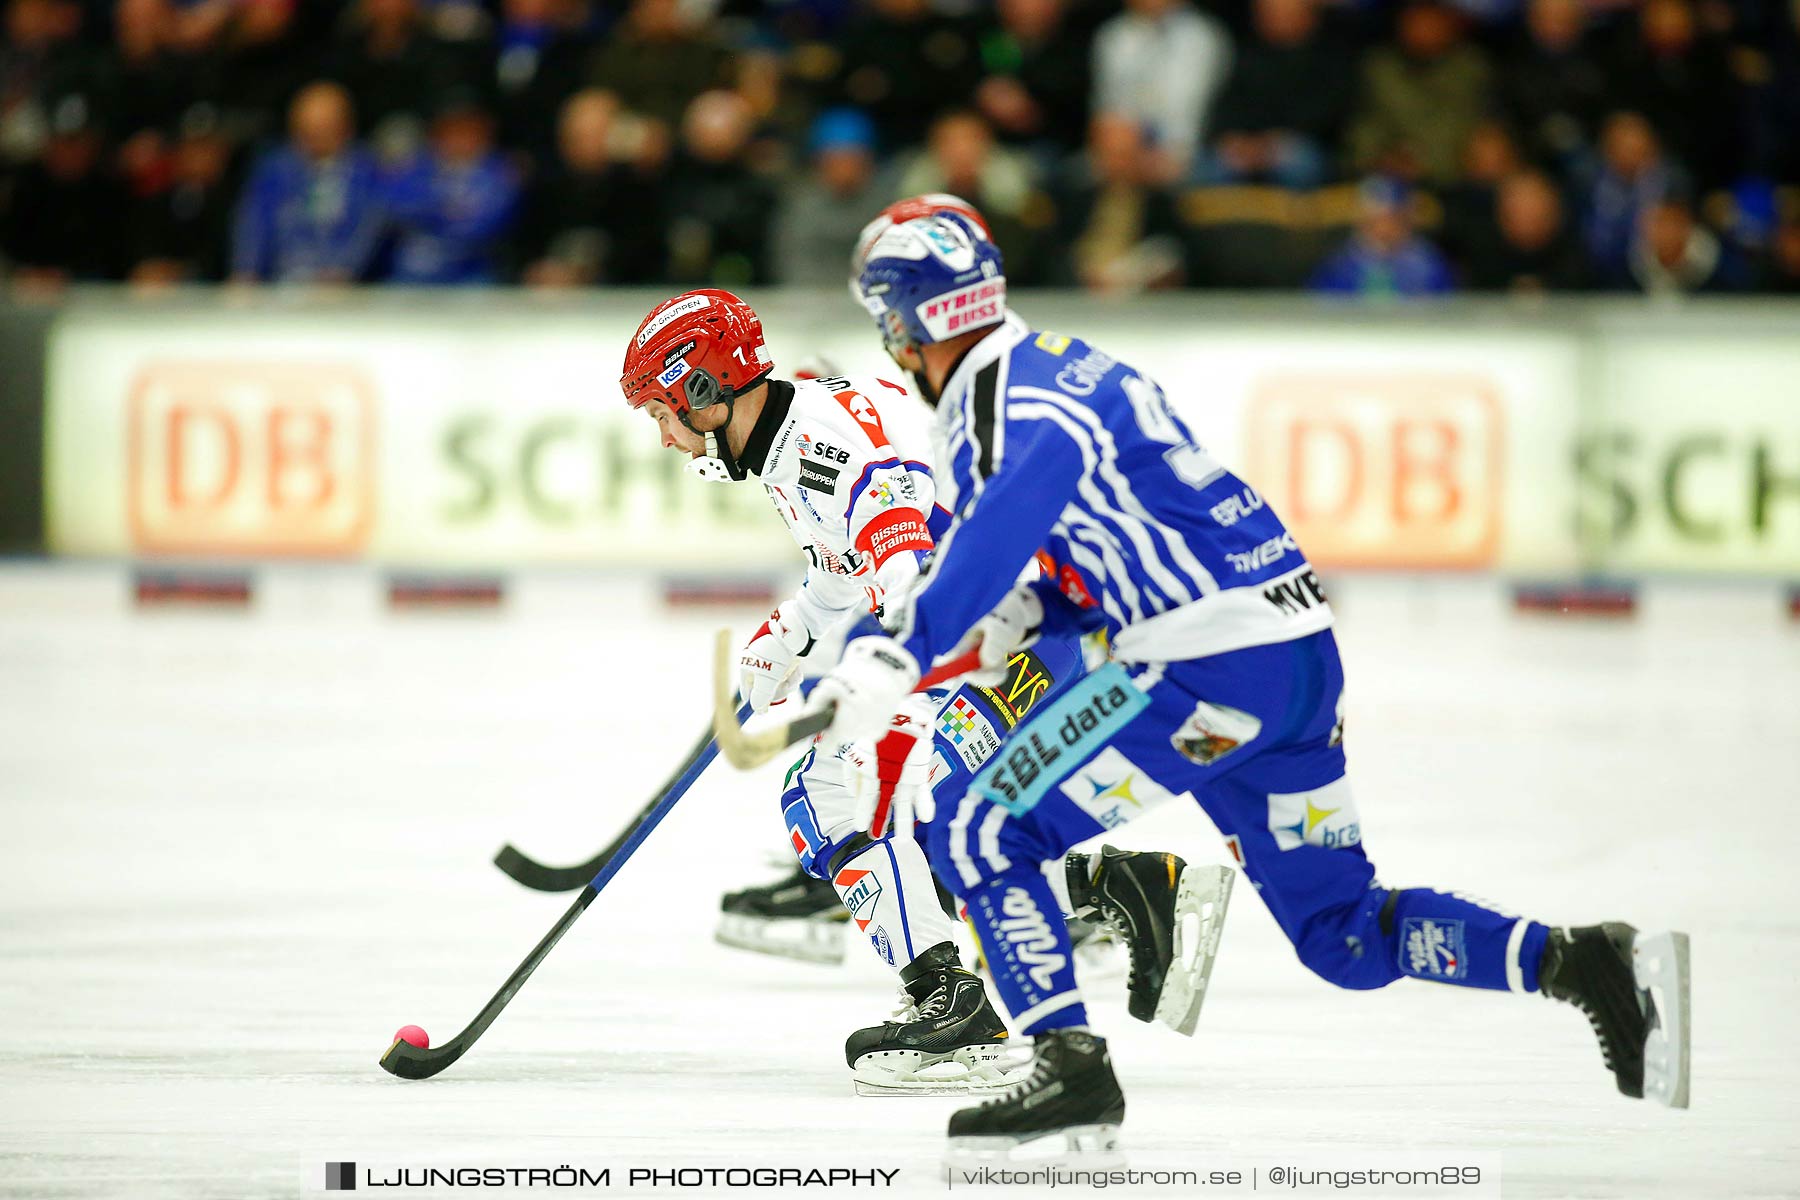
(669, 316)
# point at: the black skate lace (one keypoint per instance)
(1606, 1053)
(1592, 1014)
(1113, 917)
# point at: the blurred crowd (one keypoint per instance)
(1376, 147)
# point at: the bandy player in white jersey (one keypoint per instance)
(858, 499)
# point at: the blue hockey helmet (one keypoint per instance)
(931, 279)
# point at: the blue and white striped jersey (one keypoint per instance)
(1047, 443)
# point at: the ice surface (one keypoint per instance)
(239, 850)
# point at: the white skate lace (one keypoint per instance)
(935, 1005)
(907, 1011)
(1038, 1077)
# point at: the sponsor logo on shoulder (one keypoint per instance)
(1082, 376)
(818, 476)
(1052, 343)
(1236, 507)
(1297, 592)
(1266, 554)
(825, 450)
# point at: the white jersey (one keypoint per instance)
(849, 470)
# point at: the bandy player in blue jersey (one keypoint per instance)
(854, 486)
(1224, 688)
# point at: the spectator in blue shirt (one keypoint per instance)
(1385, 256)
(454, 204)
(1633, 176)
(313, 210)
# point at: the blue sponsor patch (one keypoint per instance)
(883, 946)
(1433, 949)
(1045, 749)
(669, 377)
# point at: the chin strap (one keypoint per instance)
(717, 465)
(926, 392)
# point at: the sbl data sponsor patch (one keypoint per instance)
(818, 477)
(1325, 817)
(1044, 750)
(1433, 949)
(968, 731)
(883, 946)
(1112, 789)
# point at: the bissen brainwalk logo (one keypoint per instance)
(340, 1177)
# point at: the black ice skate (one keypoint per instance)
(1170, 917)
(1634, 989)
(1069, 1091)
(795, 917)
(948, 1038)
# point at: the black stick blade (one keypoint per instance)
(527, 871)
(410, 1062)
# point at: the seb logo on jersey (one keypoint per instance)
(824, 450)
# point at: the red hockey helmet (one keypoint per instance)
(698, 349)
(930, 204)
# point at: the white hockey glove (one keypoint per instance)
(868, 685)
(766, 669)
(892, 780)
(1011, 627)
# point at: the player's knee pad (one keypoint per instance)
(1346, 945)
(819, 810)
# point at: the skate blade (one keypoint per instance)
(1204, 895)
(1090, 1145)
(818, 940)
(1659, 961)
(972, 1069)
